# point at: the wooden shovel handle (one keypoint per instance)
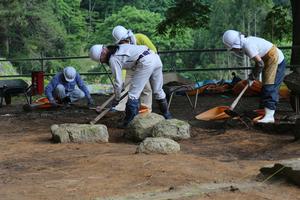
(103, 113)
(109, 100)
(238, 98)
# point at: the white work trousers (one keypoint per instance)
(149, 68)
(146, 95)
(75, 95)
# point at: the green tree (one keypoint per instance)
(11, 15)
(72, 18)
(140, 21)
(184, 14)
(278, 23)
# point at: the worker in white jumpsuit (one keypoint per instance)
(268, 59)
(146, 66)
(126, 36)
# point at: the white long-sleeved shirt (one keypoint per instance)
(124, 58)
(254, 46)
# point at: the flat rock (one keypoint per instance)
(141, 126)
(158, 145)
(174, 129)
(79, 133)
(289, 169)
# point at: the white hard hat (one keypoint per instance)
(120, 33)
(95, 52)
(69, 73)
(232, 39)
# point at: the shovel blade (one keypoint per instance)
(216, 113)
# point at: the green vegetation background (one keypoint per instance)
(56, 28)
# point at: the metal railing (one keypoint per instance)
(164, 55)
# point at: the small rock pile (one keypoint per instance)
(156, 134)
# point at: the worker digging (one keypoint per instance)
(126, 36)
(269, 61)
(146, 65)
(149, 100)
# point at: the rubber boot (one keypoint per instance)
(131, 110)
(163, 107)
(269, 116)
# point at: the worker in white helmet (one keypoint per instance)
(126, 36)
(61, 88)
(268, 59)
(147, 66)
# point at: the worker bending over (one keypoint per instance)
(268, 59)
(146, 65)
(124, 36)
(61, 88)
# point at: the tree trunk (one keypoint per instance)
(4, 45)
(295, 58)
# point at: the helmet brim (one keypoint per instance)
(68, 79)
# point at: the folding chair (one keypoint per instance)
(174, 83)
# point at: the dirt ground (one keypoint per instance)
(220, 161)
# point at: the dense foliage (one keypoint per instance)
(51, 28)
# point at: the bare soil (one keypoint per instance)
(220, 161)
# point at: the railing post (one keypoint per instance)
(42, 61)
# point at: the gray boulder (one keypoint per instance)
(158, 145)
(141, 126)
(174, 129)
(79, 133)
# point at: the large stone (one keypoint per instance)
(141, 126)
(158, 145)
(79, 133)
(174, 129)
(289, 169)
(293, 82)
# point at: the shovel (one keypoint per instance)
(230, 111)
(221, 112)
(102, 110)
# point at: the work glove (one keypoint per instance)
(114, 103)
(90, 102)
(257, 70)
(250, 82)
(255, 73)
(66, 100)
(251, 77)
(53, 103)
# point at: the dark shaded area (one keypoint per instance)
(295, 58)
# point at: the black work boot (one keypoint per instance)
(132, 109)
(163, 107)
